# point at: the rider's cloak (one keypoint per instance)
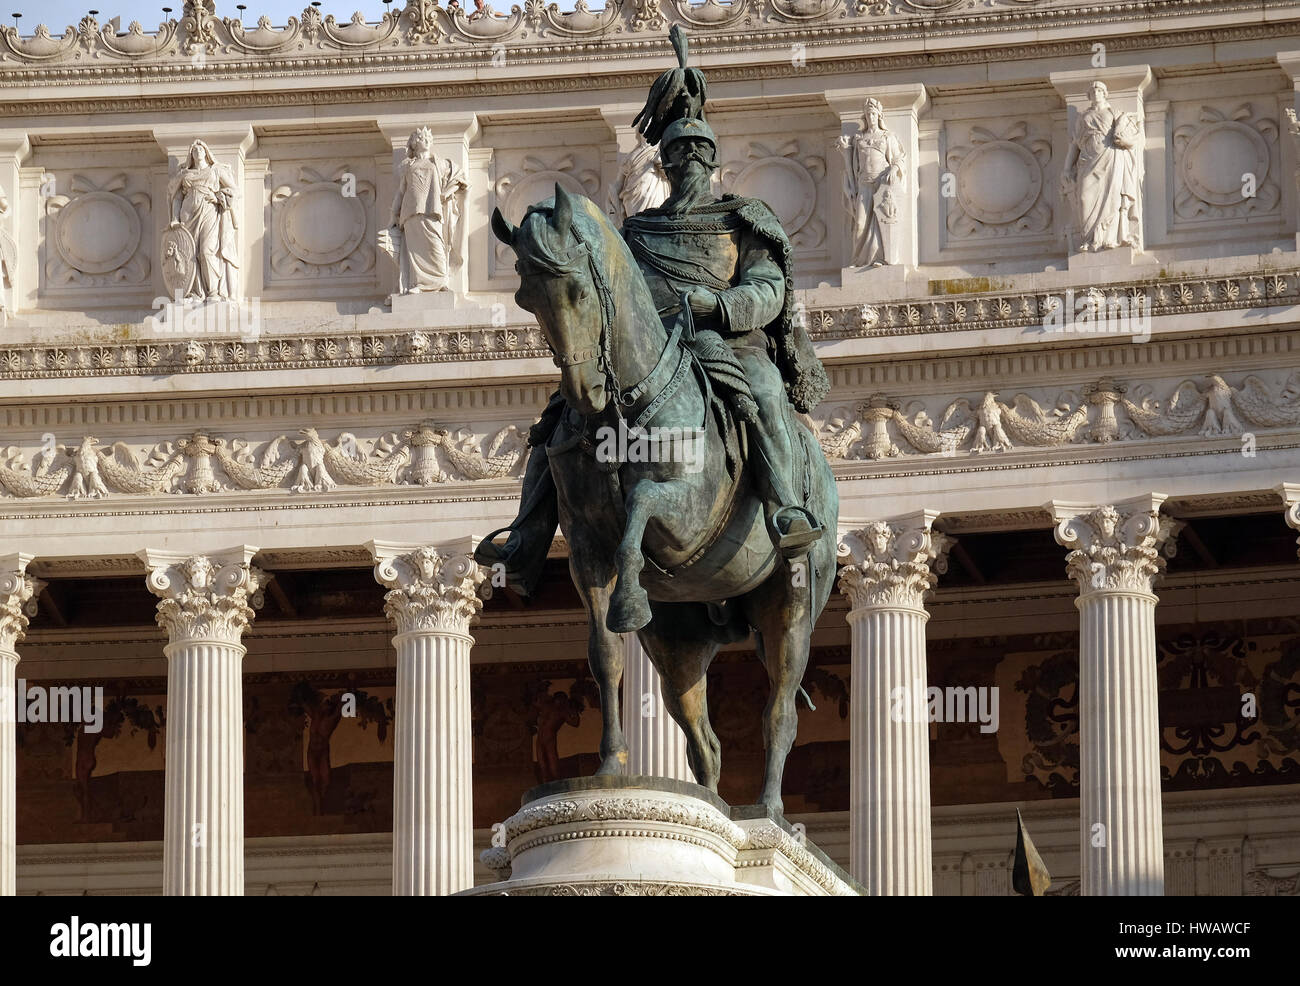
(736, 247)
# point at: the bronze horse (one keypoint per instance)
(682, 556)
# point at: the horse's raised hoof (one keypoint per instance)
(628, 614)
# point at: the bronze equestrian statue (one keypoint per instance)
(682, 324)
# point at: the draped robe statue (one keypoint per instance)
(874, 183)
(203, 200)
(641, 182)
(1102, 181)
(426, 215)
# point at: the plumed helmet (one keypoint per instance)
(692, 128)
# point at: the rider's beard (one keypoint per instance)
(691, 186)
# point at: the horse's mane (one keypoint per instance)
(538, 244)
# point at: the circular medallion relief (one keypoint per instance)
(97, 232)
(320, 226)
(998, 182)
(1218, 157)
(538, 187)
(783, 184)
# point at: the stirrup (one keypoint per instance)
(795, 529)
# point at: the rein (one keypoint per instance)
(624, 401)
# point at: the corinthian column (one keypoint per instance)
(889, 567)
(656, 745)
(1117, 552)
(433, 596)
(205, 604)
(18, 592)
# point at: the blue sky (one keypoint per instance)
(58, 14)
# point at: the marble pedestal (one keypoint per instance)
(651, 836)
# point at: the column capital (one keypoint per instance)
(432, 587)
(204, 597)
(895, 563)
(1116, 547)
(18, 592)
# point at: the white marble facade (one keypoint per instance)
(986, 367)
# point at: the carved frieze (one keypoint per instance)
(526, 178)
(1226, 164)
(1105, 412)
(999, 174)
(787, 179)
(422, 455)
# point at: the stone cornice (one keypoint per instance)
(1262, 289)
(755, 42)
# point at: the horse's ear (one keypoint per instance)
(563, 211)
(502, 228)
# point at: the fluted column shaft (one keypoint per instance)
(1119, 746)
(203, 825)
(656, 745)
(433, 818)
(17, 604)
(205, 604)
(890, 567)
(433, 595)
(8, 773)
(1117, 554)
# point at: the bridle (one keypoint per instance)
(644, 400)
(603, 351)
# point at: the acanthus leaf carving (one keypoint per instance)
(892, 563)
(18, 592)
(1116, 548)
(202, 598)
(430, 590)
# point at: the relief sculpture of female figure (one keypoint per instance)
(203, 201)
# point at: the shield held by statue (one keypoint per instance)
(179, 261)
(887, 207)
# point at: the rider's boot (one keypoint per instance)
(524, 553)
(792, 528)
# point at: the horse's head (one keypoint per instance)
(560, 246)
